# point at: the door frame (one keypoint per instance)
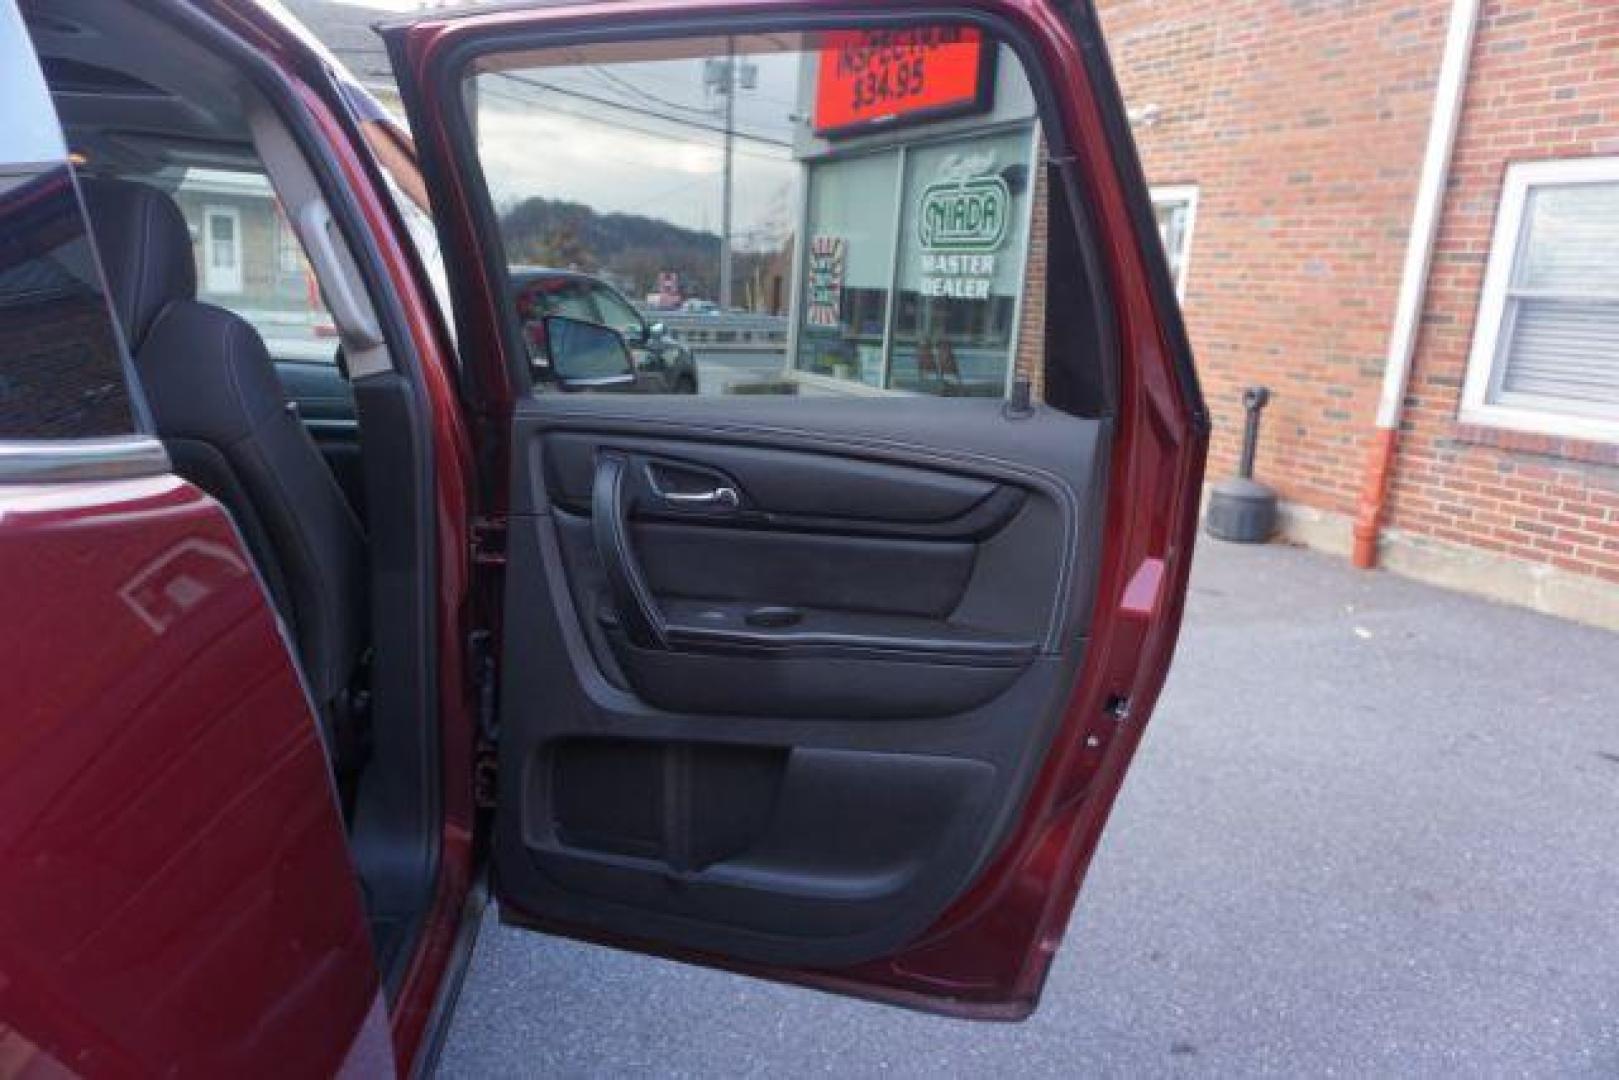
(438, 839)
(987, 956)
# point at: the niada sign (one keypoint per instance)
(961, 223)
(957, 276)
(964, 215)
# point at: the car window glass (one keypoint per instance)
(537, 294)
(616, 312)
(560, 297)
(249, 259)
(61, 369)
(838, 212)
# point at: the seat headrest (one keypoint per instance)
(145, 250)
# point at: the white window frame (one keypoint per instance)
(1180, 193)
(216, 279)
(1476, 406)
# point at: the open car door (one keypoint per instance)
(832, 673)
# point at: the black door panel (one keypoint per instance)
(832, 677)
(881, 575)
(792, 488)
(850, 676)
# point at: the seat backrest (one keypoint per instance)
(217, 404)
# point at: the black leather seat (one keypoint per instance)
(219, 409)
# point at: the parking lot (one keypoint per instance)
(1374, 829)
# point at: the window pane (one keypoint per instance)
(840, 212)
(1564, 352)
(1558, 349)
(615, 312)
(60, 370)
(849, 264)
(224, 232)
(1171, 216)
(961, 266)
(1571, 240)
(544, 294)
(249, 260)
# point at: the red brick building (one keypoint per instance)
(1286, 142)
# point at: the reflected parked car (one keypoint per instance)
(662, 364)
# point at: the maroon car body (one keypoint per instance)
(175, 890)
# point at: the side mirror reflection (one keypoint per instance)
(587, 355)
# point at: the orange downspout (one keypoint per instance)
(1373, 496)
(1380, 460)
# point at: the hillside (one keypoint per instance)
(633, 248)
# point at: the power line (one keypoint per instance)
(596, 118)
(670, 80)
(596, 100)
(647, 95)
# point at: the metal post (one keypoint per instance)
(1241, 508)
(1254, 399)
(728, 88)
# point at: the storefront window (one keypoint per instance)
(965, 210)
(849, 266)
(953, 253)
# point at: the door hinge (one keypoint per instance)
(488, 541)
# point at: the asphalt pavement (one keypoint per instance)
(1373, 829)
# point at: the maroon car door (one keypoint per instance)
(831, 672)
(176, 895)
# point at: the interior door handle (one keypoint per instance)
(609, 526)
(723, 498)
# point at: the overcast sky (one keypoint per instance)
(640, 138)
(645, 138)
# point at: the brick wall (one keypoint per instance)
(1544, 85)
(1302, 124)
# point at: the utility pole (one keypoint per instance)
(726, 77)
(729, 90)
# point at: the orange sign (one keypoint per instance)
(873, 78)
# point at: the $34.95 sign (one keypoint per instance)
(869, 78)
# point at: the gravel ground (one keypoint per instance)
(1374, 828)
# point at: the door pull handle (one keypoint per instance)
(721, 498)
